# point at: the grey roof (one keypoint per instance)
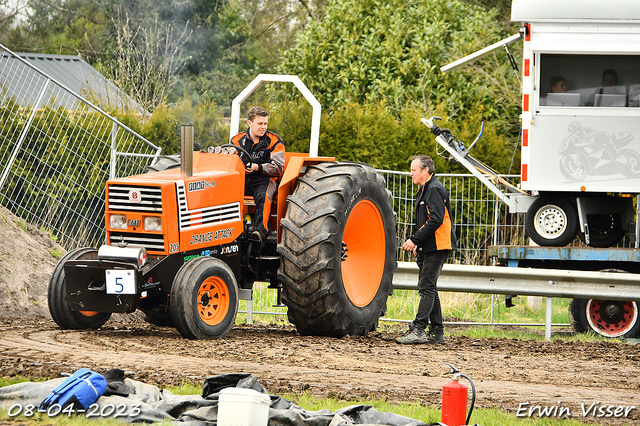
(68, 73)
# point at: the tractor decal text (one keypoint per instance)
(208, 237)
(174, 247)
(134, 222)
(230, 249)
(196, 186)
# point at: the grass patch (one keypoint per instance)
(22, 224)
(427, 414)
(413, 410)
(457, 307)
(55, 252)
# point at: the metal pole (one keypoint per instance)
(495, 243)
(186, 165)
(23, 135)
(112, 168)
(547, 324)
(637, 219)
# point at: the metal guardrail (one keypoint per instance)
(526, 281)
(549, 283)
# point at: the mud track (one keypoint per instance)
(506, 372)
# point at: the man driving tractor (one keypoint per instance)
(263, 168)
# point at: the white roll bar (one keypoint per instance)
(315, 120)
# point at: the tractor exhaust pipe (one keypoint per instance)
(186, 150)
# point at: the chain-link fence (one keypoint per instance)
(57, 150)
(480, 219)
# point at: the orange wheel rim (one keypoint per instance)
(213, 300)
(363, 253)
(89, 313)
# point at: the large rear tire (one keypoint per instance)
(59, 306)
(338, 250)
(204, 299)
(608, 318)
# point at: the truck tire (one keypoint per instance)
(552, 221)
(338, 250)
(59, 306)
(606, 317)
(605, 230)
(204, 299)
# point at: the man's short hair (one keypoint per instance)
(256, 111)
(425, 161)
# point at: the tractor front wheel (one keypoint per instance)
(204, 299)
(59, 306)
(338, 250)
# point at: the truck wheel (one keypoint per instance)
(552, 221)
(204, 299)
(605, 230)
(59, 306)
(608, 318)
(338, 250)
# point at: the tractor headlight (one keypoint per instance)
(118, 221)
(152, 223)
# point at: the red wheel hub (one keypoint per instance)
(612, 318)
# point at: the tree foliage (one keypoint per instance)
(375, 52)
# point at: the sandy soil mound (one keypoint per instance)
(27, 258)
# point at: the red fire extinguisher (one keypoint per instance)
(454, 399)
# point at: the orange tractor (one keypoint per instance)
(178, 249)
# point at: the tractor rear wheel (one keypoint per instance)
(59, 306)
(338, 250)
(204, 299)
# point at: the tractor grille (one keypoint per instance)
(150, 198)
(207, 216)
(152, 242)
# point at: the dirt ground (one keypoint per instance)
(518, 377)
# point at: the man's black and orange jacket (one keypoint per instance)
(434, 225)
(267, 153)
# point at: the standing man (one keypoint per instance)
(432, 243)
(267, 158)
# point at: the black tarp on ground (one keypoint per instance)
(149, 404)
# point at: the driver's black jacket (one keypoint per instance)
(267, 153)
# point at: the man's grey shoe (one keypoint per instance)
(436, 338)
(413, 336)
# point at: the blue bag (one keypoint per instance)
(83, 388)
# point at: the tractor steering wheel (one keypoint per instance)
(244, 151)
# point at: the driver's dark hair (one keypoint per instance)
(426, 161)
(256, 111)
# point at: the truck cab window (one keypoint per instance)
(589, 80)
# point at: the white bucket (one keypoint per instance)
(243, 407)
